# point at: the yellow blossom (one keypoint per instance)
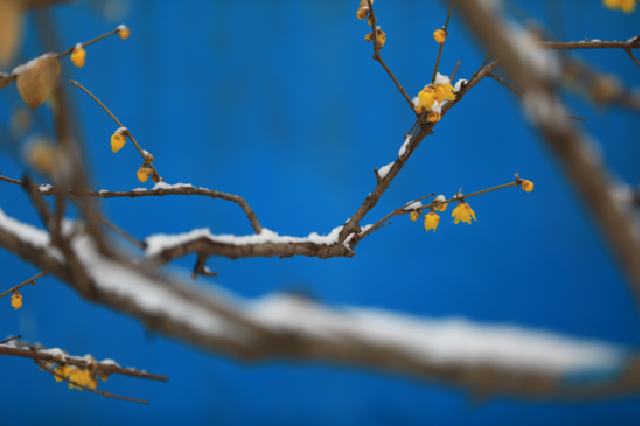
(426, 98)
(527, 185)
(142, 173)
(444, 91)
(16, 299)
(361, 14)
(77, 56)
(627, 6)
(381, 38)
(440, 35)
(124, 33)
(441, 207)
(415, 215)
(431, 221)
(118, 139)
(433, 117)
(463, 212)
(59, 370)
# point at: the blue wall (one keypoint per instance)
(281, 103)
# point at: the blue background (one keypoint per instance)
(280, 102)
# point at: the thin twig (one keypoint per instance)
(60, 55)
(632, 57)
(103, 393)
(403, 210)
(455, 70)
(378, 58)
(435, 70)
(11, 338)
(31, 281)
(255, 224)
(127, 132)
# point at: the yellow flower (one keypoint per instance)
(440, 35)
(118, 139)
(124, 32)
(527, 185)
(441, 207)
(77, 56)
(463, 212)
(381, 38)
(361, 14)
(60, 371)
(444, 91)
(426, 98)
(433, 117)
(415, 215)
(431, 221)
(16, 299)
(143, 175)
(627, 6)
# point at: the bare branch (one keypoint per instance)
(570, 45)
(31, 281)
(10, 339)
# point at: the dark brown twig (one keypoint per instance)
(10, 339)
(31, 281)
(435, 70)
(126, 132)
(633, 58)
(255, 224)
(378, 58)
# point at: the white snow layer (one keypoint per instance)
(449, 341)
(384, 171)
(405, 145)
(159, 242)
(442, 79)
(26, 67)
(165, 185)
(458, 84)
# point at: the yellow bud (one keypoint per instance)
(150, 157)
(77, 56)
(361, 14)
(441, 207)
(142, 174)
(440, 35)
(368, 37)
(527, 185)
(415, 215)
(433, 117)
(16, 299)
(124, 33)
(118, 139)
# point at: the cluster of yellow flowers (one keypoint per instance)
(81, 376)
(627, 6)
(436, 92)
(462, 213)
(363, 12)
(78, 54)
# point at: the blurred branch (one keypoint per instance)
(582, 165)
(570, 45)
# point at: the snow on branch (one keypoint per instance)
(493, 359)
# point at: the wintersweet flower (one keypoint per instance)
(431, 221)
(627, 6)
(527, 185)
(118, 139)
(414, 215)
(143, 173)
(434, 117)
(463, 213)
(77, 56)
(440, 35)
(381, 38)
(426, 98)
(124, 32)
(16, 299)
(444, 91)
(440, 207)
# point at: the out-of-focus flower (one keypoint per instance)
(627, 6)
(440, 35)
(77, 56)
